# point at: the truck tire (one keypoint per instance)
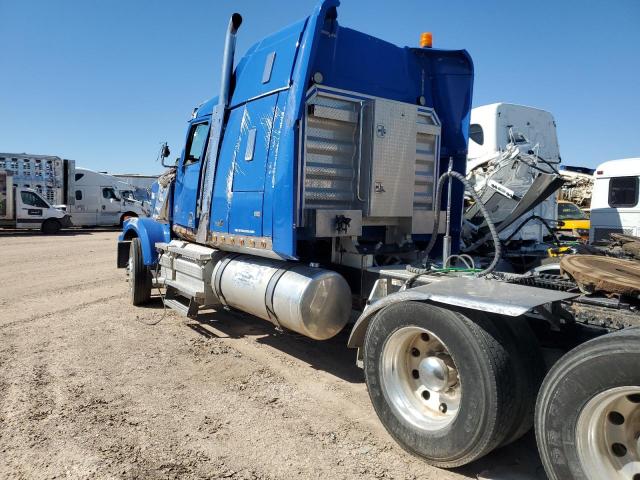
(50, 226)
(527, 366)
(139, 275)
(529, 370)
(588, 411)
(440, 382)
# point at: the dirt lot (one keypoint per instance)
(91, 387)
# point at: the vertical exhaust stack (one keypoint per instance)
(227, 60)
(215, 132)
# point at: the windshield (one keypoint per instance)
(569, 211)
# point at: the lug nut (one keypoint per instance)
(443, 408)
(415, 374)
(424, 337)
(415, 352)
(426, 395)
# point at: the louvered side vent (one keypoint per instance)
(331, 151)
(427, 154)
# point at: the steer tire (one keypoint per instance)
(139, 275)
(485, 411)
(574, 389)
(51, 226)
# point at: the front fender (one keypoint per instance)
(150, 232)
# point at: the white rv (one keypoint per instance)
(615, 207)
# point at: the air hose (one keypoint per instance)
(424, 268)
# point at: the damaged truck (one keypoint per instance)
(327, 177)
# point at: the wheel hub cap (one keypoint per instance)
(434, 373)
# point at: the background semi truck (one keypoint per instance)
(328, 177)
(89, 198)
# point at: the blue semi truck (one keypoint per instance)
(322, 180)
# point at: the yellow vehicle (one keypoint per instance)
(574, 221)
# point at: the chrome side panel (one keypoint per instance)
(371, 154)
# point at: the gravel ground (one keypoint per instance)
(91, 387)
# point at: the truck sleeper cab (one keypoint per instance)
(304, 190)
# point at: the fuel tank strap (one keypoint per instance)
(216, 281)
(269, 294)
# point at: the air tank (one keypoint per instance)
(311, 301)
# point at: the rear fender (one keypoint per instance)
(472, 293)
(150, 232)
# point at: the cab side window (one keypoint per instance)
(109, 193)
(197, 142)
(33, 200)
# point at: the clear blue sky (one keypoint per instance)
(104, 82)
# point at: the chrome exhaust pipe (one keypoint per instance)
(207, 172)
(227, 60)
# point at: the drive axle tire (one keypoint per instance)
(50, 226)
(529, 370)
(441, 383)
(139, 275)
(588, 411)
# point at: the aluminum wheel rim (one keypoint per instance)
(419, 378)
(608, 435)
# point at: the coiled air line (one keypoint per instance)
(423, 268)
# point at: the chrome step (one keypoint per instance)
(186, 307)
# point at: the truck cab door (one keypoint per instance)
(110, 207)
(31, 209)
(188, 176)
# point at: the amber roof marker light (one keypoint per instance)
(426, 40)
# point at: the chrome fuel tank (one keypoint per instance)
(311, 301)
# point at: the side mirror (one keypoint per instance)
(164, 153)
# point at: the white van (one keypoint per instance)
(614, 203)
